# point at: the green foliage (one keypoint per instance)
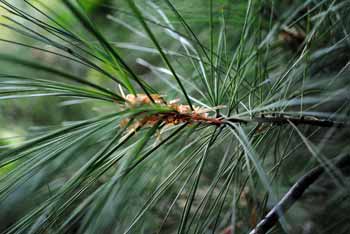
(82, 158)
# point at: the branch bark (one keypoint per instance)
(293, 195)
(280, 119)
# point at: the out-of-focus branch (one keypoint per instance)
(293, 195)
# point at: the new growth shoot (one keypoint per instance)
(171, 113)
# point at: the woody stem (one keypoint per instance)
(293, 195)
(281, 120)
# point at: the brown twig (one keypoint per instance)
(179, 113)
(293, 195)
(279, 119)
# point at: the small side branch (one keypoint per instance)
(293, 195)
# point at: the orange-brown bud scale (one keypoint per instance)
(180, 114)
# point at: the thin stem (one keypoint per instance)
(292, 196)
(280, 119)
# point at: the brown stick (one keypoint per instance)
(293, 195)
(280, 119)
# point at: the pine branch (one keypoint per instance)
(293, 195)
(281, 119)
(182, 114)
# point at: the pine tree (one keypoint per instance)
(174, 116)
